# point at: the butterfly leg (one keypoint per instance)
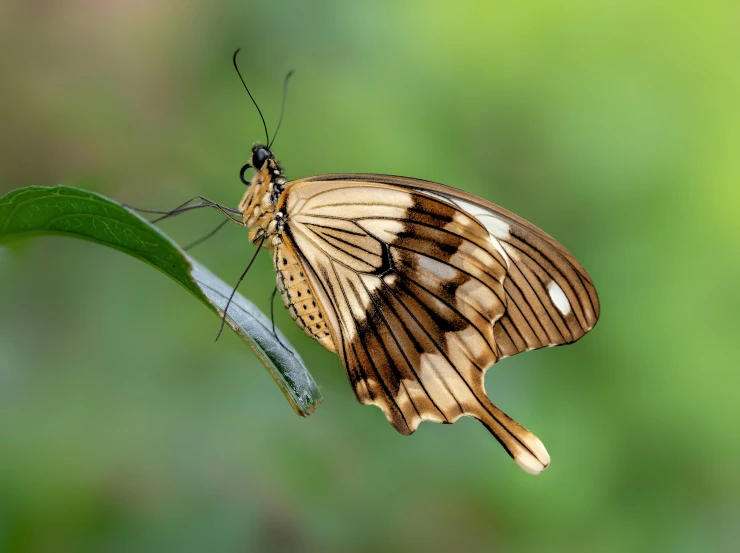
(233, 214)
(272, 311)
(233, 292)
(272, 318)
(523, 446)
(221, 225)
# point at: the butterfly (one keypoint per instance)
(418, 288)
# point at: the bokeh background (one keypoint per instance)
(614, 126)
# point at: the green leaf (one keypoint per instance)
(81, 214)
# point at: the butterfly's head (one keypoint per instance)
(261, 159)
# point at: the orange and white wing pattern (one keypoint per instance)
(424, 287)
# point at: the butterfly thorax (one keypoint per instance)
(266, 224)
(258, 203)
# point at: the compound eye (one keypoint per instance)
(259, 156)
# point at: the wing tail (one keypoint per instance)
(524, 447)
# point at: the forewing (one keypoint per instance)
(550, 298)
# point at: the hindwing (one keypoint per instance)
(425, 287)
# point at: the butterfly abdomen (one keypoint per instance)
(299, 298)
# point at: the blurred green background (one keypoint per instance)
(613, 126)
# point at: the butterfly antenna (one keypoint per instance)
(282, 108)
(233, 292)
(267, 135)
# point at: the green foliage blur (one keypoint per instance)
(613, 126)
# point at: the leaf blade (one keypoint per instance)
(78, 213)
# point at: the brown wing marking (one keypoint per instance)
(550, 298)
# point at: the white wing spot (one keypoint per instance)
(494, 225)
(438, 196)
(558, 297)
(498, 228)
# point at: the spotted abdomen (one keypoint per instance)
(299, 298)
